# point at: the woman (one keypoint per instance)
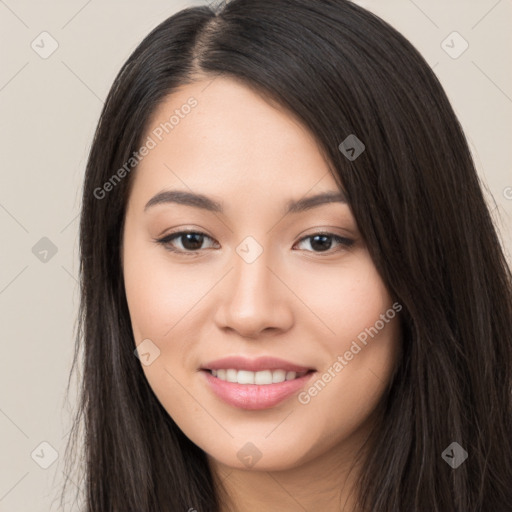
(293, 295)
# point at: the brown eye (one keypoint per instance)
(322, 242)
(190, 241)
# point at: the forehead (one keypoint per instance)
(221, 137)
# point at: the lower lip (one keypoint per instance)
(255, 396)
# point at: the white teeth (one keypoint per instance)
(261, 377)
(278, 376)
(231, 375)
(245, 377)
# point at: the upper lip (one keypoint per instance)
(254, 365)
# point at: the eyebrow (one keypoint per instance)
(206, 203)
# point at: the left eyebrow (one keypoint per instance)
(307, 203)
(186, 198)
(206, 203)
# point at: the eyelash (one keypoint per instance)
(166, 242)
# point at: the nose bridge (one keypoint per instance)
(251, 274)
(254, 299)
(251, 285)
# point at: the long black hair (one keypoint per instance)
(418, 203)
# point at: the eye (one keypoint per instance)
(191, 241)
(322, 242)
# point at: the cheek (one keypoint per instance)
(346, 300)
(348, 389)
(161, 298)
(161, 305)
(361, 348)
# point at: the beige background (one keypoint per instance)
(49, 109)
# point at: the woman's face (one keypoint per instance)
(280, 289)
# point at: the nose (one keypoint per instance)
(254, 301)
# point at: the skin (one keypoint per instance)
(294, 302)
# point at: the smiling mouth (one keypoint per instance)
(263, 377)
